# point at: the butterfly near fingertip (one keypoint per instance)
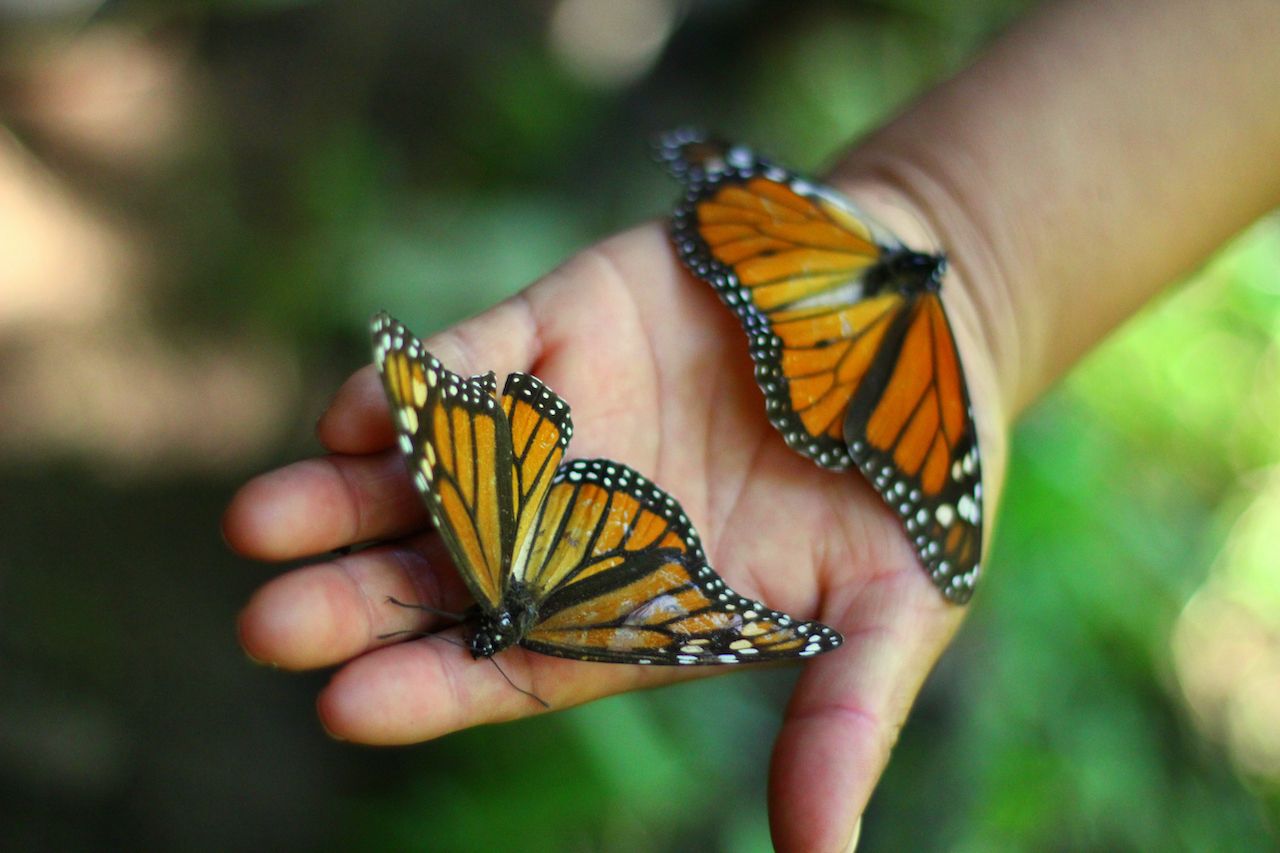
(850, 339)
(583, 559)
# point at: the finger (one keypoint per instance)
(318, 505)
(426, 688)
(357, 419)
(327, 613)
(848, 708)
(502, 339)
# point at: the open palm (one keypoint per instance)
(658, 376)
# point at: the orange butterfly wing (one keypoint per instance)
(621, 578)
(789, 258)
(540, 431)
(851, 345)
(910, 430)
(457, 442)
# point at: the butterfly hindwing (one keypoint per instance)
(622, 577)
(911, 433)
(457, 442)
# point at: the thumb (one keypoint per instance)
(847, 710)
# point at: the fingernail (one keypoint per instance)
(259, 661)
(853, 840)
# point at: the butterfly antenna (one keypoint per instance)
(425, 608)
(529, 693)
(430, 635)
(457, 617)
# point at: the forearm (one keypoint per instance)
(1091, 155)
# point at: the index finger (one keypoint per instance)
(426, 688)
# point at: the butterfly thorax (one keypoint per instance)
(496, 630)
(910, 273)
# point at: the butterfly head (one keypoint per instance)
(493, 634)
(498, 629)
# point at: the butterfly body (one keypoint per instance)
(584, 559)
(505, 626)
(851, 343)
(908, 272)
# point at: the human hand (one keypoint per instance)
(1048, 183)
(658, 376)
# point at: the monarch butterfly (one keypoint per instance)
(584, 559)
(851, 343)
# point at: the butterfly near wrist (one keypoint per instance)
(849, 336)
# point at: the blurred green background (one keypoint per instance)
(202, 203)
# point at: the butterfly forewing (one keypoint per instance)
(457, 443)
(789, 259)
(622, 578)
(540, 431)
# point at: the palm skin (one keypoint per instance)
(658, 376)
